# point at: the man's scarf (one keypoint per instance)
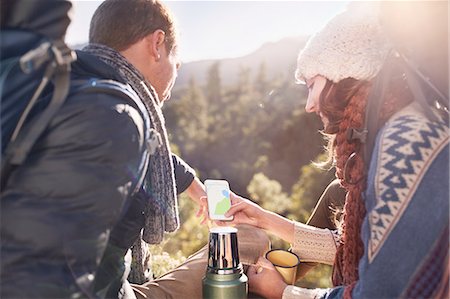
(161, 213)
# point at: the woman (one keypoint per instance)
(393, 181)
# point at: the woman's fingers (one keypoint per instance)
(234, 198)
(240, 206)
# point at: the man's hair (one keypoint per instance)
(119, 24)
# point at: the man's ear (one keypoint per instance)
(155, 42)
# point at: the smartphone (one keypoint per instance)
(218, 193)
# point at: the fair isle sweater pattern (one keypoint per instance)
(432, 276)
(409, 145)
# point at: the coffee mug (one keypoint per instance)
(285, 262)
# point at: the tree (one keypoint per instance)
(214, 84)
(188, 126)
(262, 84)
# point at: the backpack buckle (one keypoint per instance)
(64, 56)
(58, 51)
(357, 134)
(34, 58)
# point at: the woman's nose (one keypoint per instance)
(310, 107)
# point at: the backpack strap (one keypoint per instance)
(59, 58)
(416, 82)
(125, 91)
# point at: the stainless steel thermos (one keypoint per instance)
(224, 278)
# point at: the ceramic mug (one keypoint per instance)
(286, 263)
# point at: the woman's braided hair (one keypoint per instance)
(344, 104)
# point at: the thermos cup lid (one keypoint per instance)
(223, 230)
(223, 250)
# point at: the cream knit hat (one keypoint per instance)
(351, 45)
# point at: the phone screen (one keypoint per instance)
(218, 193)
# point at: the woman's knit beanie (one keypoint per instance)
(351, 45)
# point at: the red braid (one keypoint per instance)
(344, 103)
(354, 182)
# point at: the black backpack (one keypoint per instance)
(34, 84)
(32, 66)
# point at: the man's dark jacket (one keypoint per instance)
(59, 207)
(69, 215)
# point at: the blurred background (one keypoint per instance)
(236, 112)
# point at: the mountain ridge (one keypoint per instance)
(279, 58)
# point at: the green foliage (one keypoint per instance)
(261, 82)
(310, 185)
(192, 127)
(191, 235)
(268, 194)
(214, 84)
(318, 277)
(162, 261)
(177, 246)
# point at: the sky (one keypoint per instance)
(225, 29)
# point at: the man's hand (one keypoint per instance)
(203, 210)
(196, 191)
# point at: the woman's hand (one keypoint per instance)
(244, 211)
(264, 280)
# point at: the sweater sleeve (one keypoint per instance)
(313, 244)
(293, 292)
(184, 174)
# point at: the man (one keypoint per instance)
(81, 175)
(103, 169)
(142, 47)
